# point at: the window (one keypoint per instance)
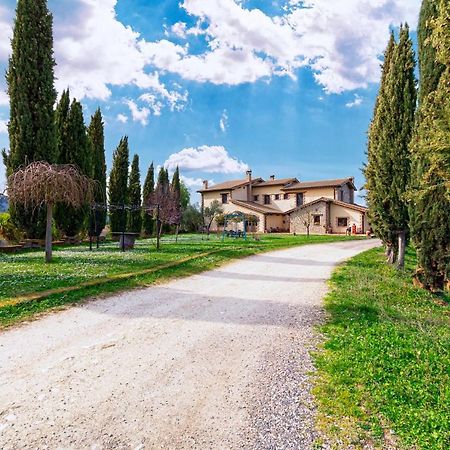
(341, 195)
(286, 196)
(300, 199)
(267, 199)
(224, 198)
(317, 219)
(256, 198)
(277, 196)
(342, 222)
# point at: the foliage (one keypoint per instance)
(30, 79)
(176, 192)
(384, 364)
(388, 168)
(149, 188)
(97, 138)
(8, 230)
(25, 273)
(210, 213)
(118, 186)
(134, 197)
(75, 149)
(430, 69)
(192, 219)
(430, 186)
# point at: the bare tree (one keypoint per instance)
(41, 183)
(163, 204)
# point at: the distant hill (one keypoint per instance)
(4, 203)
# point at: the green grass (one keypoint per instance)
(26, 273)
(385, 363)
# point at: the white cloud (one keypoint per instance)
(4, 98)
(3, 126)
(357, 101)
(223, 123)
(193, 183)
(138, 114)
(5, 33)
(341, 42)
(122, 118)
(209, 159)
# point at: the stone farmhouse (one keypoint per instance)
(289, 205)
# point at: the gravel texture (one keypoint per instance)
(215, 361)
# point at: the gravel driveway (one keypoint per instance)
(215, 361)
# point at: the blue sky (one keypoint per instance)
(282, 87)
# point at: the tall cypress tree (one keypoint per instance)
(389, 170)
(97, 138)
(430, 69)
(134, 197)
(403, 96)
(30, 79)
(76, 150)
(430, 149)
(149, 188)
(62, 122)
(118, 186)
(378, 164)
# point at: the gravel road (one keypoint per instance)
(215, 361)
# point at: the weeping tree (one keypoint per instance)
(41, 184)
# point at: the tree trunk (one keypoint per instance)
(159, 226)
(176, 233)
(48, 234)
(401, 250)
(390, 255)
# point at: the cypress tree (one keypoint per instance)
(430, 149)
(118, 186)
(389, 168)
(149, 188)
(62, 122)
(134, 197)
(97, 138)
(76, 150)
(430, 69)
(378, 164)
(30, 80)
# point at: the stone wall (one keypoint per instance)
(299, 217)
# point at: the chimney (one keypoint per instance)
(272, 177)
(249, 188)
(205, 184)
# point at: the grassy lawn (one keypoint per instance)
(385, 364)
(25, 273)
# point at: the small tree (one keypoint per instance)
(163, 205)
(192, 218)
(210, 213)
(42, 184)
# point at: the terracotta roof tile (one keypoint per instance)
(322, 183)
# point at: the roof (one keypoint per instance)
(264, 209)
(330, 200)
(280, 182)
(229, 185)
(322, 183)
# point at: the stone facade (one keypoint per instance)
(317, 214)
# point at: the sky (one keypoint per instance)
(217, 87)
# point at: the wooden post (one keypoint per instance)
(48, 234)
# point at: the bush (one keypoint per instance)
(9, 231)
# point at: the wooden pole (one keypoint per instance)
(48, 234)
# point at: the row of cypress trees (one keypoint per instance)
(126, 196)
(408, 168)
